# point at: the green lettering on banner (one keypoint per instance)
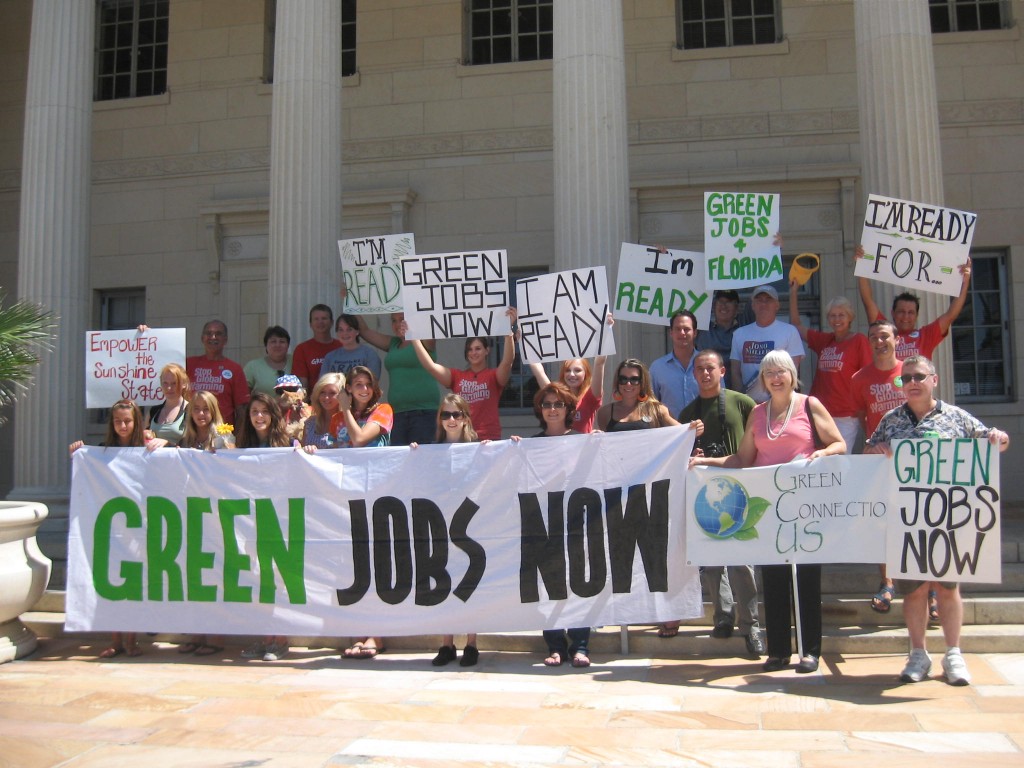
(234, 561)
(131, 573)
(271, 550)
(163, 545)
(196, 560)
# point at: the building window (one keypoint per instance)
(348, 38)
(501, 31)
(968, 15)
(131, 49)
(982, 364)
(723, 23)
(119, 309)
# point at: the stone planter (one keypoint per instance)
(24, 573)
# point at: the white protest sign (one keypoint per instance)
(915, 245)
(946, 525)
(652, 286)
(563, 315)
(739, 231)
(576, 531)
(371, 270)
(452, 295)
(828, 510)
(126, 364)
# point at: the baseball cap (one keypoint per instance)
(765, 289)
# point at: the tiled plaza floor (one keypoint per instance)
(63, 707)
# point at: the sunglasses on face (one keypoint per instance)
(634, 380)
(918, 377)
(445, 415)
(557, 405)
(281, 390)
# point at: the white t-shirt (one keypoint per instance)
(750, 343)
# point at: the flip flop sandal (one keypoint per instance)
(111, 652)
(133, 650)
(882, 601)
(667, 632)
(554, 660)
(580, 660)
(353, 651)
(368, 652)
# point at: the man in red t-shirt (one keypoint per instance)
(911, 340)
(213, 372)
(309, 355)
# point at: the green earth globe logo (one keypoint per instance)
(725, 510)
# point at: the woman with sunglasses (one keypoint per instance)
(634, 405)
(786, 427)
(454, 425)
(554, 405)
(479, 385)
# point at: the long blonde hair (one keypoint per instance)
(323, 420)
(191, 437)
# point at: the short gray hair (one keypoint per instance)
(778, 358)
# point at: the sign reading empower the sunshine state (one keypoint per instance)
(125, 365)
(828, 510)
(372, 273)
(563, 315)
(576, 531)
(739, 236)
(653, 285)
(946, 524)
(452, 295)
(915, 245)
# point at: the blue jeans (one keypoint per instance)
(577, 642)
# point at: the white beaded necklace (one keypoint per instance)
(772, 435)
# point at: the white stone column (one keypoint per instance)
(899, 127)
(591, 148)
(305, 163)
(53, 246)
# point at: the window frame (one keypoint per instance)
(349, 64)
(966, 348)
(160, 50)
(515, 36)
(951, 10)
(730, 21)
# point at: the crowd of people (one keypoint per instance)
(736, 385)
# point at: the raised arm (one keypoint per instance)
(540, 374)
(381, 341)
(794, 311)
(438, 371)
(864, 286)
(504, 370)
(956, 306)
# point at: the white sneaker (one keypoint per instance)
(955, 667)
(919, 664)
(275, 652)
(254, 651)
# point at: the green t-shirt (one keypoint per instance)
(737, 409)
(410, 387)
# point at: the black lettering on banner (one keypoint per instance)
(543, 548)
(639, 527)
(430, 543)
(360, 554)
(585, 524)
(477, 554)
(393, 577)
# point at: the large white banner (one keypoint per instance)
(371, 268)
(830, 510)
(126, 364)
(915, 245)
(563, 315)
(582, 530)
(946, 523)
(739, 239)
(451, 295)
(652, 286)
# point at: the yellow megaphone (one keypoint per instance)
(803, 266)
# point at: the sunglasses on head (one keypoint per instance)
(445, 415)
(635, 380)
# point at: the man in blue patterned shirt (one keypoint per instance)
(925, 416)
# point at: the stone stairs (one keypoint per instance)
(993, 619)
